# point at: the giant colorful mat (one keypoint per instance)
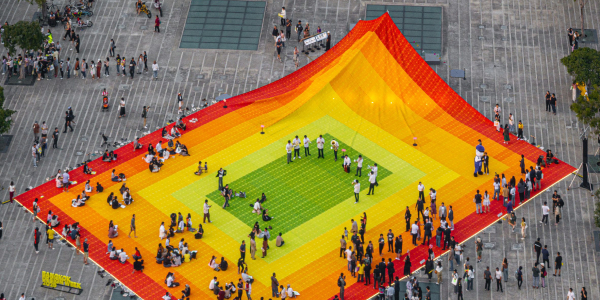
(371, 92)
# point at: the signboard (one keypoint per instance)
(319, 37)
(53, 281)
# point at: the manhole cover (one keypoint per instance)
(503, 27)
(504, 39)
(201, 76)
(481, 26)
(488, 245)
(485, 98)
(122, 26)
(79, 153)
(223, 77)
(508, 87)
(143, 27)
(197, 89)
(219, 90)
(483, 86)
(517, 247)
(481, 38)
(124, 87)
(84, 139)
(508, 99)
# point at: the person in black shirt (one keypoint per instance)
(537, 247)
(288, 29)
(67, 122)
(275, 33)
(407, 219)
(390, 270)
(427, 227)
(132, 67)
(299, 30)
(548, 101)
(55, 138)
(557, 264)
(390, 237)
(381, 243)
(477, 201)
(553, 103)
(138, 265)
(367, 272)
(398, 245)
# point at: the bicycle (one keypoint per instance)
(51, 7)
(145, 10)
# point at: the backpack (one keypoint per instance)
(517, 274)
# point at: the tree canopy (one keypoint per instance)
(584, 65)
(5, 120)
(587, 111)
(25, 35)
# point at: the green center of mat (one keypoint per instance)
(299, 191)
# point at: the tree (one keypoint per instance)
(584, 65)
(5, 120)
(25, 35)
(581, 6)
(597, 210)
(587, 111)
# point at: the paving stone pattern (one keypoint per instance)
(510, 50)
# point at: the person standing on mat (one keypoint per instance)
(296, 144)
(356, 190)
(320, 144)
(306, 144)
(335, 146)
(359, 162)
(372, 182)
(288, 149)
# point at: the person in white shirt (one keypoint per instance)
(162, 233)
(414, 231)
(346, 164)
(155, 70)
(166, 296)
(288, 149)
(123, 256)
(257, 208)
(296, 144)
(374, 169)
(320, 144)
(206, 212)
(306, 143)
(22, 296)
(570, 295)
(158, 147)
(545, 212)
(372, 182)
(496, 191)
(421, 187)
(356, 189)
(282, 16)
(290, 292)
(211, 285)
(335, 146)
(359, 162)
(171, 281)
(499, 280)
(438, 271)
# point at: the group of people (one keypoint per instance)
(157, 156)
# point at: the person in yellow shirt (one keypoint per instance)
(50, 234)
(187, 256)
(520, 131)
(361, 272)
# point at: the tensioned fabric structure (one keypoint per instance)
(373, 94)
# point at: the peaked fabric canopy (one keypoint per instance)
(373, 94)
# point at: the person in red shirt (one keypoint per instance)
(221, 295)
(157, 24)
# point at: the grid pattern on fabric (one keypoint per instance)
(221, 24)
(421, 25)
